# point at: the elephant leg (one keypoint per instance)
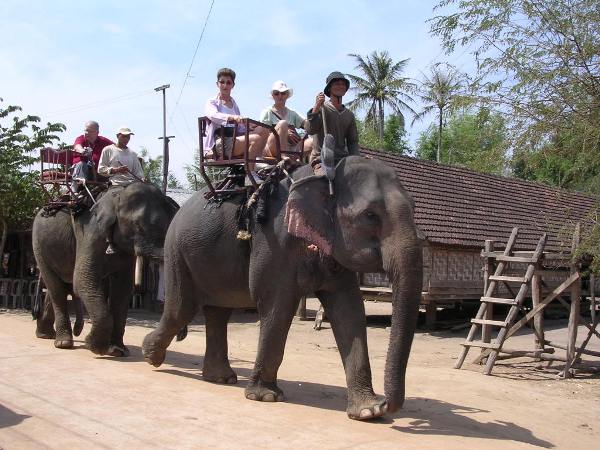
(346, 313)
(119, 294)
(88, 285)
(276, 314)
(78, 326)
(180, 308)
(45, 321)
(216, 367)
(56, 295)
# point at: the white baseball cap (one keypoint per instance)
(282, 87)
(124, 130)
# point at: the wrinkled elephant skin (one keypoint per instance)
(367, 226)
(71, 254)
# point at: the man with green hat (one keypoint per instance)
(338, 120)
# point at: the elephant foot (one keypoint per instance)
(63, 343)
(118, 350)
(43, 334)
(367, 408)
(153, 355)
(264, 392)
(95, 345)
(77, 328)
(220, 377)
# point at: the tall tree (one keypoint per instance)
(381, 83)
(441, 92)
(153, 171)
(539, 62)
(20, 192)
(473, 139)
(394, 136)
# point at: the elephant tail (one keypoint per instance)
(182, 334)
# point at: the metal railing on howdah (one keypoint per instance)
(219, 157)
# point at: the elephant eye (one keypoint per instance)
(371, 217)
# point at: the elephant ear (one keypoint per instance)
(106, 211)
(308, 213)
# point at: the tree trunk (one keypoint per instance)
(381, 119)
(439, 146)
(3, 240)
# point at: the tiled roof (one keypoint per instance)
(180, 195)
(457, 206)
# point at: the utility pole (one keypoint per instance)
(165, 138)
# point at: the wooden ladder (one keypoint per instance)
(492, 349)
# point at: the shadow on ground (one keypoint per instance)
(8, 417)
(435, 417)
(427, 416)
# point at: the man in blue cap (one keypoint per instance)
(339, 121)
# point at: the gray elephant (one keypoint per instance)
(71, 254)
(367, 226)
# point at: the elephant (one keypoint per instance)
(310, 242)
(70, 250)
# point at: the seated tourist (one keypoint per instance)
(288, 123)
(122, 166)
(86, 154)
(223, 112)
(118, 162)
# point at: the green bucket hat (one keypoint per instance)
(331, 78)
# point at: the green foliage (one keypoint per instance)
(192, 173)
(153, 171)
(394, 136)
(473, 140)
(381, 84)
(441, 92)
(21, 138)
(539, 63)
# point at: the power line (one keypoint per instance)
(121, 98)
(187, 75)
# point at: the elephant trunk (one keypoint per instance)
(404, 266)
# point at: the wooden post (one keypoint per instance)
(575, 307)
(593, 298)
(538, 319)
(488, 269)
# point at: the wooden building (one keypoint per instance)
(458, 209)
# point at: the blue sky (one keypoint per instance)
(71, 61)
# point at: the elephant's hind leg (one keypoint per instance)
(216, 367)
(56, 295)
(45, 321)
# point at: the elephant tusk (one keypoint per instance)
(139, 269)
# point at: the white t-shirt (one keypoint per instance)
(113, 156)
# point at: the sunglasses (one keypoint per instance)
(277, 93)
(225, 82)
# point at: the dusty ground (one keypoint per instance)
(53, 398)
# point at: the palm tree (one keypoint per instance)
(439, 91)
(382, 84)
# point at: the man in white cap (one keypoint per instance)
(122, 166)
(119, 162)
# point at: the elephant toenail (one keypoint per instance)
(251, 396)
(365, 413)
(268, 398)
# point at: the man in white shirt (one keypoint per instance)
(118, 162)
(122, 166)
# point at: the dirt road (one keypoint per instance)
(53, 398)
